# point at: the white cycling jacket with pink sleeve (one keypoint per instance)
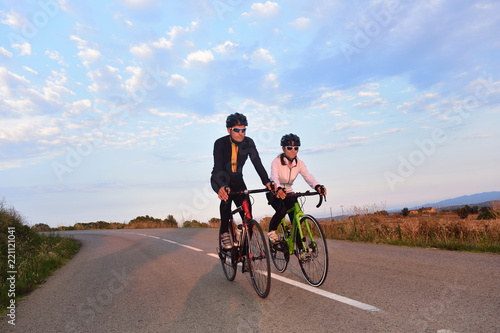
(284, 176)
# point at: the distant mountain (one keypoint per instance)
(465, 200)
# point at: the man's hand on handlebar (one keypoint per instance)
(224, 193)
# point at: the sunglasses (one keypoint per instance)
(292, 148)
(238, 130)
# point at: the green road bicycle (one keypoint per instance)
(250, 248)
(305, 239)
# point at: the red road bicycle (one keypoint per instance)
(250, 248)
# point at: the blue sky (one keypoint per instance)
(109, 109)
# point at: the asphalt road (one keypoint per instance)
(170, 280)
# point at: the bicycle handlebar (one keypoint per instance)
(246, 192)
(309, 193)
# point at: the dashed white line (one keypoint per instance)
(327, 294)
(315, 290)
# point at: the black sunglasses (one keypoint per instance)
(290, 148)
(237, 130)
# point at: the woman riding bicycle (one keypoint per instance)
(284, 169)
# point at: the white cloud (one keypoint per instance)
(355, 123)
(141, 51)
(390, 131)
(201, 57)
(87, 53)
(119, 18)
(9, 82)
(368, 94)
(301, 23)
(263, 10)
(104, 79)
(163, 43)
(5, 52)
(29, 129)
(77, 107)
(24, 48)
(177, 80)
(227, 47)
(168, 114)
(54, 55)
(138, 4)
(28, 69)
(271, 81)
(14, 20)
(176, 31)
(377, 102)
(262, 56)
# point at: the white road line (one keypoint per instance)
(191, 248)
(315, 290)
(335, 297)
(327, 294)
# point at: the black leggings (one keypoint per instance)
(225, 206)
(280, 206)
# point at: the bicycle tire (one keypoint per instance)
(279, 252)
(228, 260)
(314, 261)
(258, 259)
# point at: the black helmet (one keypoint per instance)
(236, 119)
(288, 139)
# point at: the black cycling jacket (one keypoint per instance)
(222, 174)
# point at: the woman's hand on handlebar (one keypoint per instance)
(279, 192)
(224, 193)
(320, 189)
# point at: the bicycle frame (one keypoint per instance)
(292, 236)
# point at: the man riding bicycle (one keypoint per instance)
(230, 154)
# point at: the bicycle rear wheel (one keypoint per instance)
(279, 252)
(313, 260)
(258, 259)
(228, 260)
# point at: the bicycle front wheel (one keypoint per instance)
(313, 259)
(258, 259)
(279, 251)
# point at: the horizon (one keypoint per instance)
(109, 110)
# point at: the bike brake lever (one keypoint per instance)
(320, 201)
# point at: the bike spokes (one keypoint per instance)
(313, 252)
(279, 251)
(258, 256)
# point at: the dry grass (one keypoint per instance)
(445, 232)
(440, 230)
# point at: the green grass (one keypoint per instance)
(37, 256)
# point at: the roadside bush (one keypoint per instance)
(37, 256)
(487, 215)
